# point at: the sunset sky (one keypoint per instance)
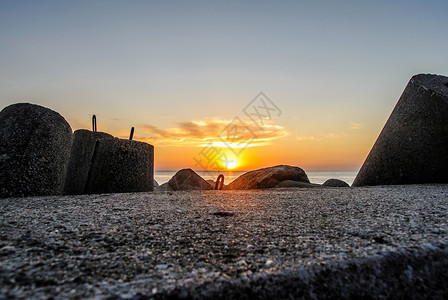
(183, 73)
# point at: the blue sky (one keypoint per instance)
(326, 64)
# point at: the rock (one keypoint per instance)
(413, 145)
(121, 166)
(163, 188)
(35, 147)
(212, 183)
(156, 184)
(335, 183)
(268, 178)
(296, 184)
(80, 160)
(187, 179)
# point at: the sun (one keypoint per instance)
(231, 164)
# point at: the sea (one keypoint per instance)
(314, 176)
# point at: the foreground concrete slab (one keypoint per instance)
(375, 242)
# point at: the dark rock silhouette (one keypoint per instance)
(156, 184)
(211, 182)
(335, 183)
(80, 160)
(185, 179)
(413, 145)
(35, 147)
(268, 178)
(121, 166)
(297, 184)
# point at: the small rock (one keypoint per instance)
(269, 263)
(187, 179)
(162, 267)
(335, 183)
(297, 184)
(268, 178)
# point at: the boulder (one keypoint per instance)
(412, 148)
(121, 166)
(335, 183)
(186, 179)
(35, 147)
(268, 178)
(156, 184)
(80, 160)
(211, 182)
(297, 184)
(164, 187)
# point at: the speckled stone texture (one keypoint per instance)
(413, 145)
(81, 159)
(121, 166)
(35, 147)
(385, 242)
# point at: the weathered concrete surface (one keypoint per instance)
(413, 145)
(81, 159)
(35, 147)
(372, 242)
(120, 166)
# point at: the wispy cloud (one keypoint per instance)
(333, 135)
(321, 136)
(355, 126)
(213, 132)
(308, 138)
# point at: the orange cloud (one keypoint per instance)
(355, 126)
(212, 133)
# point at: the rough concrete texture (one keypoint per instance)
(413, 145)
(370, 242)
(120, 166)
(267, 178)
(35, 147)
(84, 142)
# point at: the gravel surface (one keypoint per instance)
(168, 244)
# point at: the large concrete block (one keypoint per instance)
(413, 145)
(35, 147)
(120, 166)
(84, 142)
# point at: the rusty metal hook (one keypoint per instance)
(219, 182)
(131, 136)
(94, 123)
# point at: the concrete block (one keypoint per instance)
(80, 160)
(413, 145)
(120, 166)
(35, 145)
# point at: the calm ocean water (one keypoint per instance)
(229, 176)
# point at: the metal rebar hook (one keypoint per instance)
(132, 134)
(219, 182)
(94, 123)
